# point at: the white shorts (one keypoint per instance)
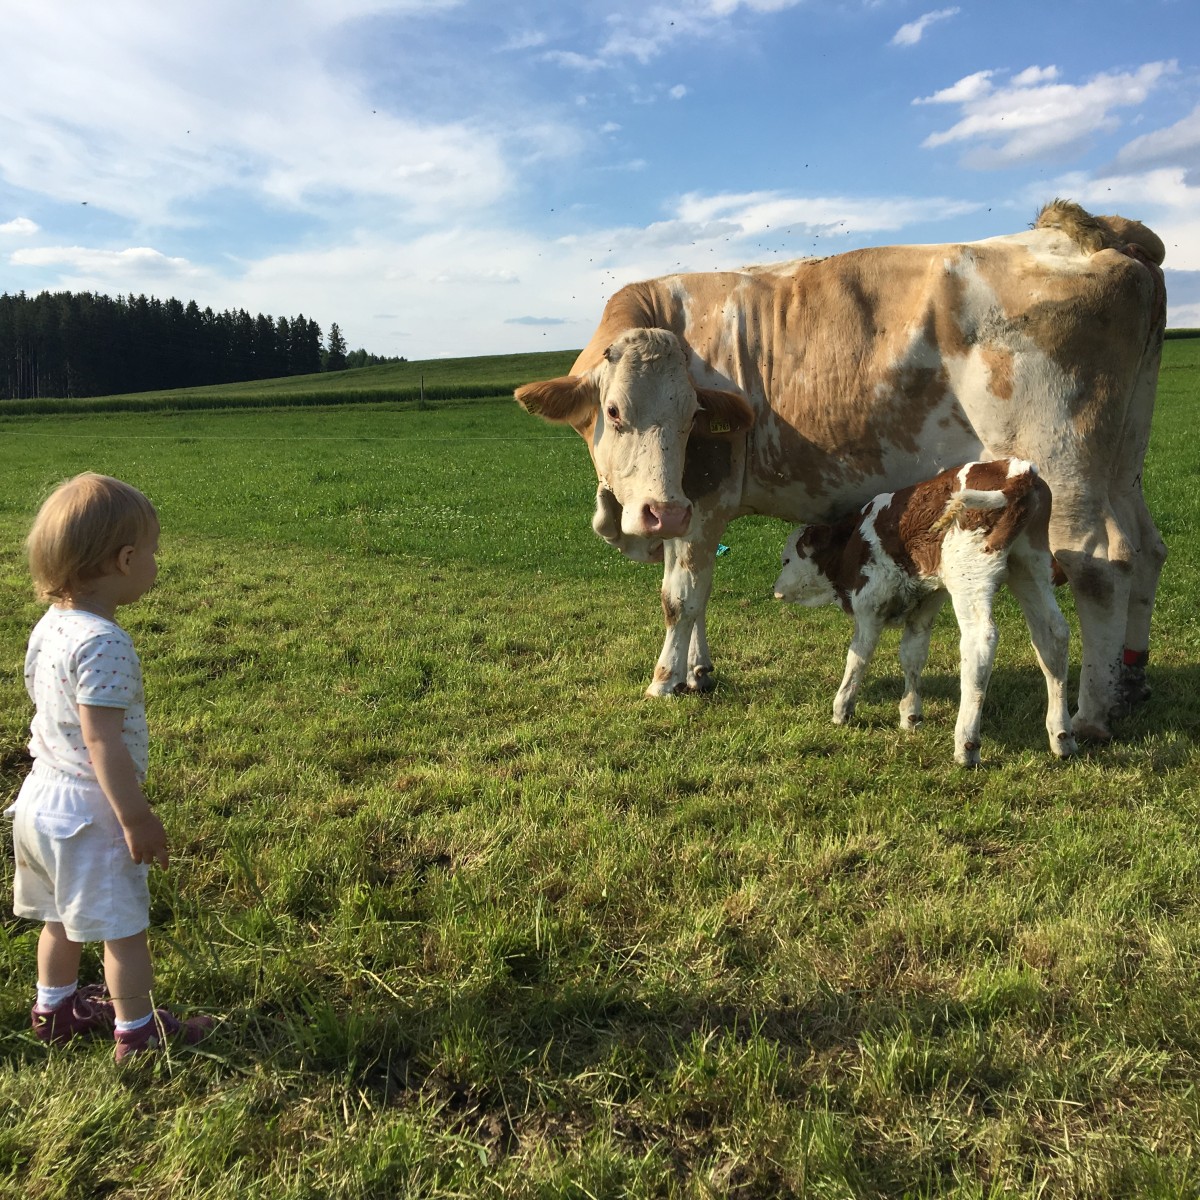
(72, 863)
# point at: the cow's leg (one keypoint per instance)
(1029, 578)
(972, 600)
(867, 628)
(687, 582)
(699, 673)
(914, 651)
(1097, 560)
(1147, 567)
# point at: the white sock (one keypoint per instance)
(130, 1026)
(52, 997)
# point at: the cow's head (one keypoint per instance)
(637, 408)
(801, 580)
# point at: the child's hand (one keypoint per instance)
(146, 839)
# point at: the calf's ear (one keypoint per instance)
(570, 399)
(722, 414)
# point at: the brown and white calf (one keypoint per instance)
(961, 534)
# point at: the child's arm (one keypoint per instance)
(144, 833)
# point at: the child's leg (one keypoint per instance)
(57, 957)
(129, 975)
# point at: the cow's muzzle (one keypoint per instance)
(665, 520)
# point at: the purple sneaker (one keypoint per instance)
(164, 1024)
(85, 1013)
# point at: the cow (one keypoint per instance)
(894, 561)
(802, 389)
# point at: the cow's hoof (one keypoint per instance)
(910, 724)
(665, 690)
(1134, 689)
(701, 680)
(1088, 731)
(1063, 745)
(842, 718)
(967, 755)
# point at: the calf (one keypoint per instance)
(960, 534)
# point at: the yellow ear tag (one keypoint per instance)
(718, 426)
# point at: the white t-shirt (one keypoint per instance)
(77, 657)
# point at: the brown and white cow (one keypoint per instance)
(801, 390)
(894, 561)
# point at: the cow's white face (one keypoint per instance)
(647, 406)
(637, 407)
(800, 580)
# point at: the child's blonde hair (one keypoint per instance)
(81, 528)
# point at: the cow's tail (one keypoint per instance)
(1093, 234)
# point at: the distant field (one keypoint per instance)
(477, 920)
(444, 378)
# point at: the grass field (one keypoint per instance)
(477, 920)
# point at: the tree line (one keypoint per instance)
(68, 344)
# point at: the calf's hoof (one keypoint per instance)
(908, 723)
(701, 681)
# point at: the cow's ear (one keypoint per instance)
(570, 399)
(722, 414)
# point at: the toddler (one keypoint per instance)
(84, 834)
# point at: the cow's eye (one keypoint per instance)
(613, 412)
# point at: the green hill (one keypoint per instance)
(444, 379)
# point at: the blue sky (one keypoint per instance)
(452, 177)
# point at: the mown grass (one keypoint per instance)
(478, 920)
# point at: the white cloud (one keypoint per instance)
(145, 111)
(137, 262)
(575, 61)
(1178, 144)
(20, 226)
(645, 32)
(911, 34)
(1033, 117)
(677, 92)
(526, 41)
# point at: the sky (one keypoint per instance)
(462, 177)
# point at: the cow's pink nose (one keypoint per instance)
(666, 520)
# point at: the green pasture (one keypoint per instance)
(478, 920)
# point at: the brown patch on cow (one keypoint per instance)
(662, 674)
(671, 611)
(1092, 583)
(707, 465)
(999, 364)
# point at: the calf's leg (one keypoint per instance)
(971, 593)
(914, 652)
(1029, 578)
(867, 628)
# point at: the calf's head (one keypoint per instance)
(801, 580)
(637, 408)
